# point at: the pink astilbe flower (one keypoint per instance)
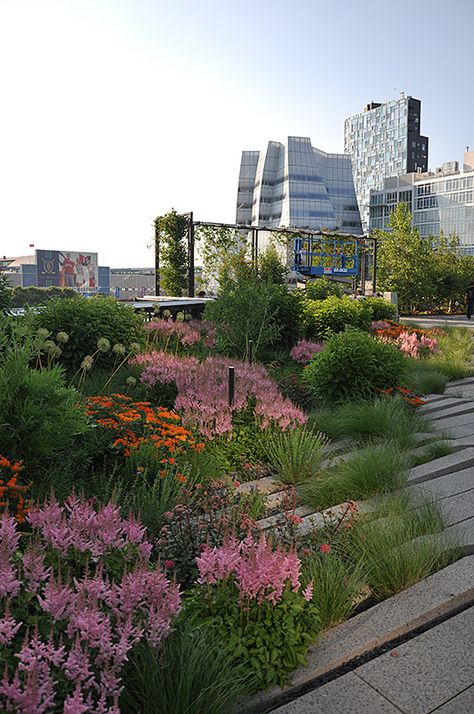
(34, 569)
(187, 334)
(8, 628)
(304, 351)
(308, 591)
(9, 539)
(261, 573)
(95, 613)
(203, 391)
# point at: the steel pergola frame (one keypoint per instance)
(254, 231)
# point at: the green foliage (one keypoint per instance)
(40, 417)
(216, 246)
(193, 673)
(336, 583)
(381, 309)
(289, 377)
(6, 293)
(268, 641)
(271, 268)
(424, 377)
(383, 418)
(376, 469)
(32, 295)
(427, 273)
(295, 455)
(322, 288)
(86, 321)
(170, 241)
(404, 260)
(384, 545)
(354, 365)
(322, 318)
(246, 444)
(248, 308)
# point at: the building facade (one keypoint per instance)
(439, 202)
(383, 141)
(25, 271)
(298, 186)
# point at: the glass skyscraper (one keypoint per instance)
(296, 185)
(441, 201)
(384, 140)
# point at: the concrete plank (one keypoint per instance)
(429, 670)
(449, 485)
(346, 695)
(432, 398)
(451, 463)
(457, 508)
(461, 704)
(464, 407)
(450, 421)
(463, 534)
(461, 382)
(442, 404)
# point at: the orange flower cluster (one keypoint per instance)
(394, 330)
(137, 423)
(408, 396)
(11, 492)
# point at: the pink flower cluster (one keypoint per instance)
(260, 572)
(186, 334)
(203, 391)
(94, 613)
(303, 351)
(379, 325)
(413, 346)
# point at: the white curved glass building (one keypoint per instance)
(296, 185)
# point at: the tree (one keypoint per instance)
(6, 292)
(271, 267)
(405, 261)
(170, 243)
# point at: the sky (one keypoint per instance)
(115, 111)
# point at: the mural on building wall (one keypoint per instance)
(68, 269)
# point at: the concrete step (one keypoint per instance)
(411, 678)
(439, 467)
(449, 422)
(432, 410)
(460, 382)
(466, 407)
(433, 398)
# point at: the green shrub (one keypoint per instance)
(353, 365)
(86, 321)
(376, 469)
(32, 295)
(384, 418)
(193, 673)
(295, 455)
(322, 288)
(39, 416)
(249, 308)
(322, 318)
(381, 309)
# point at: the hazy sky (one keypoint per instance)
(114, 111)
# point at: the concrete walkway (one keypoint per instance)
(433, 670)
(429, 321)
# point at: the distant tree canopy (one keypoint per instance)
(427, 273)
